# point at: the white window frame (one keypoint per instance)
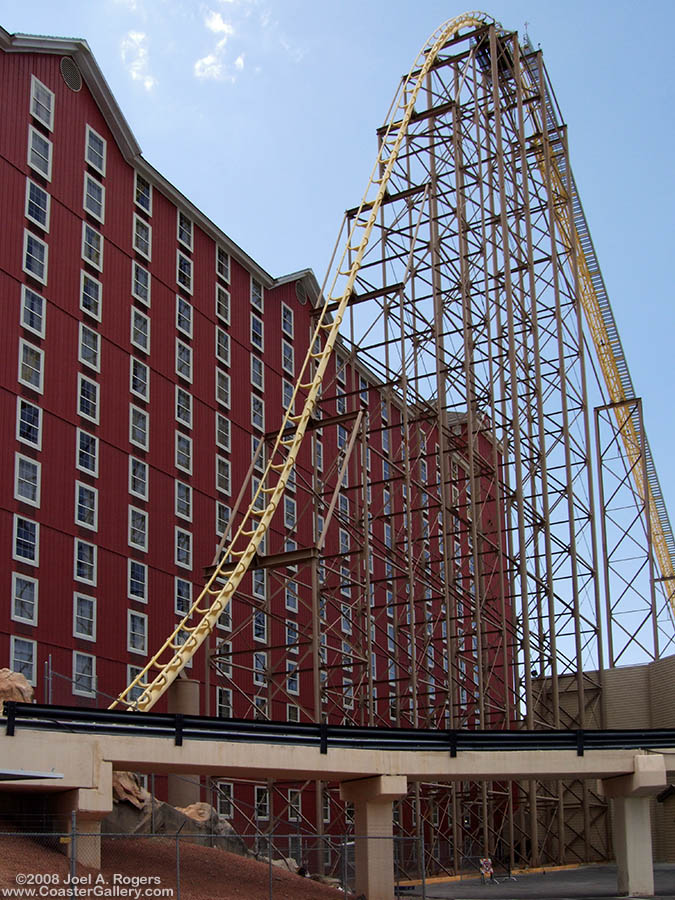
(85, 277)
(260, 347)
(81, 486)
(16, 616)
(144, 293)
(223, 304)
(261, 808)
(80, 691)
(181, 240)
(98, 265)
(133, 478)
(287, 350)
(39, 387)
(136, 314)
(223, 388)
(31, 561)
(186, 285)
(187, 419)
(178, 534)
(36, 84)
(178, 500)
(259, 403)
(32, 134)
(89, 179)
(27, 313)
(222, 349)
(139, 224)
(145, 394)
(83, 330)
(223, 270)
(143, 514)
(89, 131)
(148, 208)
(31, 677)
(223, 432)
(80, 634)
(180, 300)
(176, 596)
(19, 458)
(44, 226)
(133, 409)
(44, 261)
(142, 617)
(183, 437)
(256, 361)
(132, 596)
(255, 303)
(286, 317)
(223, 475)
(94, 562)
(223, 515)
(260, 671)
(185, 360)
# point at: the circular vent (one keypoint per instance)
(71, 74)
(301, 292)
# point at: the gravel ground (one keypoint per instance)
(205, 873)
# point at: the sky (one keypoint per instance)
(263, 113)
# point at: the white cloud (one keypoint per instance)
(215, 23)
(239, 62)
(209, 67)
(213, 65)
(134, 50)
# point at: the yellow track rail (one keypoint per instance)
(174, 654)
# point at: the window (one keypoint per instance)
(257, 332)
(140, 330)
(184, 271)
(363, 389)
(139, 378)
(31, 365)
(222, 517)
(183, 501)
(182, 597)
(22, 658)
(85, 562)
(318, 454)
(94, 198)
(90, 295)
(137, 632)
(95, 149)
(259, 583)
(183, 407)
(291, 596)
(89, 346)
(84, 617)
(39, 153)
(260, 667)
(294, 805)
(259, 625)
(291, 636)
(262, 803)
(183, 548)
(142, 237)
(37, 205)
(137, 581)
(86, 506)
(290, 513)
(27, 480)
(132, 674)
(223, 346)
(183, 360)
(184, 453)
(140, 283)
(340, 370)
(287, 357)
(257, 373)
(84, 674)
(143, 194)
(35, 254)
(292, 677)
(138, 478)
(41, 102)
(224, 790)
(346, 618)
(223, 703)
(223, 304)
(287, 320)
(32, 311)
(223, 432)
(139, 427)
(223, 482)
(222, 264)
(287, 396)
(256, 295)
(24, 599)
(223, 388)
(183, 315)
(26, 540)
(138, 528)
(257, 412)
(184, 230)
(92, 246)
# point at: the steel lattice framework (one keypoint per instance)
(468, 294)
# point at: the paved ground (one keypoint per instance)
(586, 883)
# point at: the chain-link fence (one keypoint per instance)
(87, 864)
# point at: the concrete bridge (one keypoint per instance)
(370, 778)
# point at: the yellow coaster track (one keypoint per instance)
(165, 666)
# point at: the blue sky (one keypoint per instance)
(263, 112)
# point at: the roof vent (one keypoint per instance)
(71, 74)
(301, 292)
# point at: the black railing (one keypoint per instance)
(179, 727)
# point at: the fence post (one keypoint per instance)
(269, 863)
(73, 846)
(344, 864)
(424, 865)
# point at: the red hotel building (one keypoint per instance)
(145, 358)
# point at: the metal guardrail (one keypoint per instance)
(78, 720)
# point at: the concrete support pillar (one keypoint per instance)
(373, 799)
(632, 831)
(183, 697)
